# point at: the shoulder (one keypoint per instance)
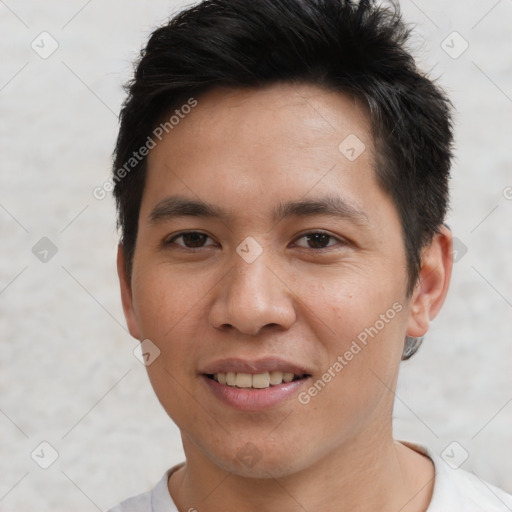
(157, 500)
(478, 495)
(456, 489)
(139, 503)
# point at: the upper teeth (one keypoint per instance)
(257, 380)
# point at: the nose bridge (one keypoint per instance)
(253, 297)
(250, 281)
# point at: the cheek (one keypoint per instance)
(350, 303)
(168, 313)
(172, 311)
(361, 324)
(164, 301)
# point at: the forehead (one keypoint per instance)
(268, 145)
(302, 116)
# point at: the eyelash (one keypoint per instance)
(340, 242)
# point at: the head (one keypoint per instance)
(286, 202)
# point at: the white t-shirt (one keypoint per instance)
(455, 490)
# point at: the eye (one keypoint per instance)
(317, 240)
(191, 240)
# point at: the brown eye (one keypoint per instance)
(191, 240)
(316, 240)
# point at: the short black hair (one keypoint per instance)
(355, 48)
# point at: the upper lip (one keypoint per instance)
(267, 364)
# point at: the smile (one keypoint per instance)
(255, 381)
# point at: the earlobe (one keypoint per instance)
(126, 293)
(432, 286)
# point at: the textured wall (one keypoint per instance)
(68, 375)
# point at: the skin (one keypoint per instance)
(247, 152)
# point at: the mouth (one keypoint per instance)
(255, 385)
(257, 380)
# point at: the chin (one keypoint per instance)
(263, 465)
(259, 459)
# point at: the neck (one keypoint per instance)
(374, 473)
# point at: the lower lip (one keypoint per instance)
(254, 399)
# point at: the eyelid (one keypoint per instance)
(341, 241)
(170, 239)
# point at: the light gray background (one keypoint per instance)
(68, 374)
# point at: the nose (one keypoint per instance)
(253, 298)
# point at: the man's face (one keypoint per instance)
(266, 248)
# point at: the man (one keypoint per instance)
(281, 176)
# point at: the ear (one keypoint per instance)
(432, 286)
(126, 293)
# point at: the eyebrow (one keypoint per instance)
(175, 206)
(332, 206)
